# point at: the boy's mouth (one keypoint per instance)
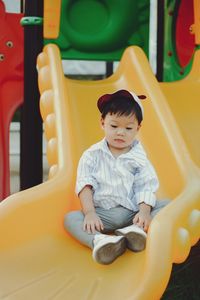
(119, 140)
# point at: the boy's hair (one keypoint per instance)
(121, 103)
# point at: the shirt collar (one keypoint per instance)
(136, 154)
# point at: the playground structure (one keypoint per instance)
(78, 41)
(56, 261)
(11, 86)
(183, 99)
(49, 263)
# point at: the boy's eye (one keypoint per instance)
(113, 126)
(129, 128)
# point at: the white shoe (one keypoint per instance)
(107, 248)
(135, 237)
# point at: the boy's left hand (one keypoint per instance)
(142, 220)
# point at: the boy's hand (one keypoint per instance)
(92, 222)
(143, 218)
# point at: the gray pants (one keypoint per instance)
(112, 219)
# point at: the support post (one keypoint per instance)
(31, 171)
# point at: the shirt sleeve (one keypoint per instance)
(145, 185)
(86, 172)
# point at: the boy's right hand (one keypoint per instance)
(92, 222)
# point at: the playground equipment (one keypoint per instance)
(97, 30)
(183, 99)
(183, 95)
(71, 26)
(11, 86)
(31, 172)
(178, 42)
(37, 256)
(51, 19)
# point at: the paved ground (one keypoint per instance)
(14, 179)
(15, 158)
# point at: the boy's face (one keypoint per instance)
(120, 131)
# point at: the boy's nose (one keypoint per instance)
(120, 131)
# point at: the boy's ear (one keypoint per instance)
(102, 123)
(139, 126)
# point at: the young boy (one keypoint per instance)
(116, 184)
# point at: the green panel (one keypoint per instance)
(172, 70)
(102, 29)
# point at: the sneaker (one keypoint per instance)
(135, 237)
(107, 248)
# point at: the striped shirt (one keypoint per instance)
(126, 180)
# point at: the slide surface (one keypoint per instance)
(38, 259)
(183, 99)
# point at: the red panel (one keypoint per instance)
(11, 85)
(185, 41)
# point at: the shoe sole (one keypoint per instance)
(134, 241)
(109, 252)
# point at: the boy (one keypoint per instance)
(116, 183)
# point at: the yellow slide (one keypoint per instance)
(183, 97)
(38, 259)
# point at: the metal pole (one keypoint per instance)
(22, 4)
(109, 68)
(160, 40)
(31, 170)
